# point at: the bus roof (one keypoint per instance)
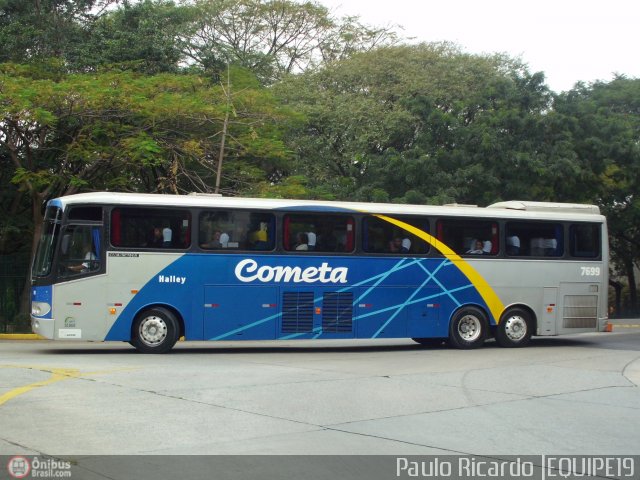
(547, 207)
(510, 209)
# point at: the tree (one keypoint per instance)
(603, 122)
(37, 30)
(274, 37)
(423, 123)
(145, 36)
(125, 131)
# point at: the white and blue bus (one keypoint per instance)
(150, 269)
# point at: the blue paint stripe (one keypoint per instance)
(395, 268)
(418, 300)
(246, 327)
(316, 300)
(445, 290)
(401, 265)
(411, 297)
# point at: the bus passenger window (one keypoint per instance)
(585, 240)
(150, 228)
(320, 233)
(534, 239)
(236, 230)
(380, 236)
(469, 237)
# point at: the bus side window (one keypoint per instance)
(534, 239)
(470, 237)
(380, 236)
(320, 233)
(237, 230)
(585, 240)
(150, 228)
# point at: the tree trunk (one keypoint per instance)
(221, 152)
(225, 126)
(36, 204)
(633, 291)
(617, 287)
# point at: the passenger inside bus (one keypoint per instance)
(167, 235)
(259, 238)
(90, 264)
(155, 238)
(302, 241)
(477, 247)
(312, 240)
(513, 245)
(395, 245)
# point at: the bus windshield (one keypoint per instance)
(46, 245)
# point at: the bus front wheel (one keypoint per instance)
(515, 328)
(155, 331)
(468, 328)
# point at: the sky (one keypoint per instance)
(568, 40)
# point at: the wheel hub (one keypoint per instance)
(469, 328)
(153, 330)
(516, 328)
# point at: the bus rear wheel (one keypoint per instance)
(515, 328)
(468, 328)
(155, 331)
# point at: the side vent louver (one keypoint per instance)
(337, 312)
(580, 311)
(297, 312)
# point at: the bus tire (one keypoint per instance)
(155, 330)
(468, 328)
(515, 328)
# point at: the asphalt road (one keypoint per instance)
(564, 395)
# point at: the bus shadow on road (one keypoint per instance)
(608, 341)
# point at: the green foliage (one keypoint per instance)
(144, 36)
(429, 119)
(602, 122)
(36, 30)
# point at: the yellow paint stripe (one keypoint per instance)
(20, 336)
(57, 374)
(496, 307)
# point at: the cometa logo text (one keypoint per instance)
(248, 270)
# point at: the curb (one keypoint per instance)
(20, 336)
(615, 326)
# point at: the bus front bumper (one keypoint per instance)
(43, 326)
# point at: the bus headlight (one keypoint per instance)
(38, 309)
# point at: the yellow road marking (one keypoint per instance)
(57, 375)
(486, 292)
